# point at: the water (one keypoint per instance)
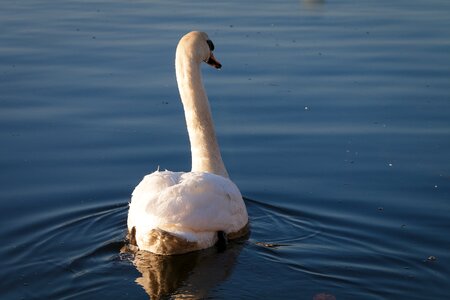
(333, 119)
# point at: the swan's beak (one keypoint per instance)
(212, 61)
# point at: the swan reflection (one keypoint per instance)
(188, 276)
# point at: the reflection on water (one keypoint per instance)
(188, 276)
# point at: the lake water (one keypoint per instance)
(333, 119)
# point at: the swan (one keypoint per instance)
(179, 212)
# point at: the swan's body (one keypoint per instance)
(176, 212)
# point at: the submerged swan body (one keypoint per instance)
(176, 212)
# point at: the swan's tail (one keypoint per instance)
(162, 242)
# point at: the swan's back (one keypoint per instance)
(189, 207)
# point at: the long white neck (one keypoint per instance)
(204, 147)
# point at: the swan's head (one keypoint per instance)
(198, 47)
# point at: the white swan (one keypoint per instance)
(176, 212)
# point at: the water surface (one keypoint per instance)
(333, 119)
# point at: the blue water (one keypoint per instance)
(333, 119)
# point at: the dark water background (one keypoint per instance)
(333, 119)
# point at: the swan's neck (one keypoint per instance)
(204, 147)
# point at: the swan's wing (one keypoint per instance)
(156, 182)
(148, 191)
(200, 202)
(187, 202)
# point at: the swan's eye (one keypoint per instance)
(211, 45)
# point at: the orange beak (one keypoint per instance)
(212, 61)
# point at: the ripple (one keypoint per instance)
(73, 242)
(272, 224)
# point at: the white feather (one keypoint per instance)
(193, 206)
